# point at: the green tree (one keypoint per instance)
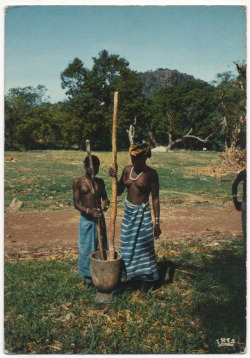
(184, 114)
(73, 78)
(20, 105)
(231, 93)
(91, 100)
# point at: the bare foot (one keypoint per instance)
(144, 289)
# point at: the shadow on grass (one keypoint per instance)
(220, 299)
(217, 291)
(164, 267)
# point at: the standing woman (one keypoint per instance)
(138, 231)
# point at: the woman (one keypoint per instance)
(137, 231)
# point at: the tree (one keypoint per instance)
(73, 78)
(231, 93)
(91, 99)
(184, 112)
(20, 104)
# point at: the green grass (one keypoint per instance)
(43, 180)
(204, 302)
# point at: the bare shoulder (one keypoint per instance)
(152, 172)
(77, 181)
(80, 179)
(127, 169)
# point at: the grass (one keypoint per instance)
(48, 310)
(43, 180)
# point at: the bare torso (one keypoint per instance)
(84, 197)
(139, 186)
(140, 181)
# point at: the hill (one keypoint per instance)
(154, 80)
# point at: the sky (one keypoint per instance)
(41, 40)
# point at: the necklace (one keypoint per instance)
(89, 184)
(138, 176)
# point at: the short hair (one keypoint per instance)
(95, 161)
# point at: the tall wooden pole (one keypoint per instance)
(114, 182)
(98, 222)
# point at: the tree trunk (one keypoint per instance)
(172, 143)
(150, 133)
(224, 123)
(131, 131)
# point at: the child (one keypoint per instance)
(91, 205)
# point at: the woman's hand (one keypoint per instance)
(94, 212)
(105, 204)
(112, 172)
(157, 231)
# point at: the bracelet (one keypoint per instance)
(157, 223)
(87, 211)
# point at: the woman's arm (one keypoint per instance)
(156, 203)
(240, 177)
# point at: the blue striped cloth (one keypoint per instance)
(137, 242)
(87, 244)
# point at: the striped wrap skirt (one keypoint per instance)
(88, 242)
(137, 242)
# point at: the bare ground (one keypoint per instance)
(53, 235)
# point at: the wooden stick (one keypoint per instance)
(90, 160)
(98, 221)
(114, 182)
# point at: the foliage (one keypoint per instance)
(91, 99)
(43, 180)
(231, 93)
(20, 107)
(180, 112)
(179, 109)
(49, 311)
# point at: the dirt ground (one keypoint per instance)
(54, 234)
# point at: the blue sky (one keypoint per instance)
(40, 41)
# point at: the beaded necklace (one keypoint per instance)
(138, 176)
